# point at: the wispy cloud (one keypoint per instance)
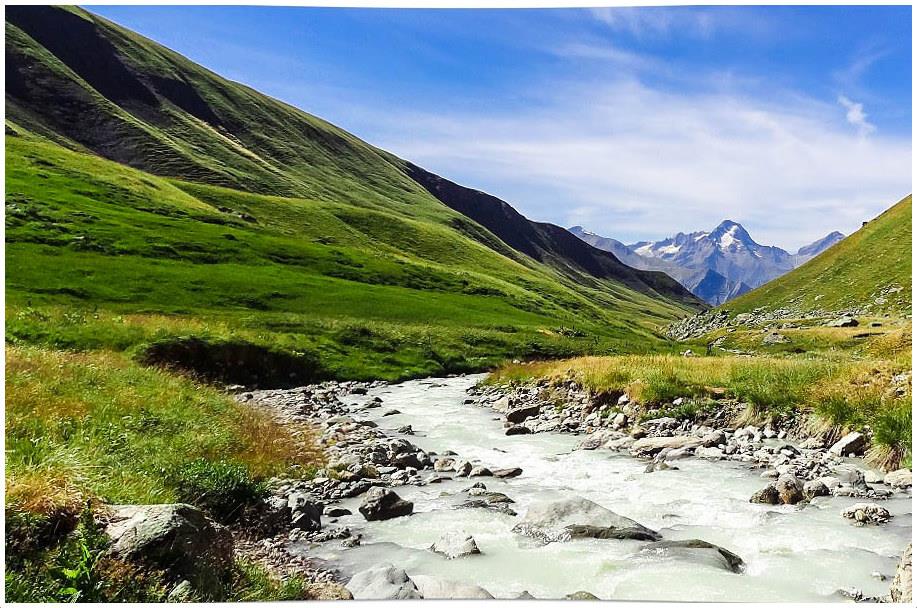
(657, 21)
(851, 74)
(634, 162)
(856, 116)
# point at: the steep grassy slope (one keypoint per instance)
(245, 218)
(85, 82)
(870, 270)
(85, 235)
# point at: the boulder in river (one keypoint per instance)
(520, 414)
(581, 595)
(382, 503)
(849, 445)
(903, 583)
(480, 471)
(518, 429)
(384, 582)
(865, 513)
(444, 465)
(789, 489)
(816, 487)
(337, 511)
(767, 495)
(649, 446)
(696, 549)
(434, 588)
(455, 544)
(177, 538)
(577, 517)
(507, 473)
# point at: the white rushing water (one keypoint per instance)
(792, 554)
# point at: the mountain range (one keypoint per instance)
(715, 265)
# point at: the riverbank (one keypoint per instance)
(370, 444)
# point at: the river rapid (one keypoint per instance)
(792, 554)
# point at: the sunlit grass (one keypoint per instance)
(847, 394)
(98, 425)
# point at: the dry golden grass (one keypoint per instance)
(96, 424)
(44, 493)
(270, 447)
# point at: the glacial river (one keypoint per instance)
(792, 554)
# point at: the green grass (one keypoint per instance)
(97, 425)
(844, 394)
(871, 268)
(91, 243)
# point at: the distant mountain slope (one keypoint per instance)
(547, 243)
(88, 84)
(870, 270)
(715, 266)
(808, 252)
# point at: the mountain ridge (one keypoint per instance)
(110, 91)
(715, 265)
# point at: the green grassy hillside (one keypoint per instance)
(89, 84)
(870, 270)
(91, 243)
(149, 199)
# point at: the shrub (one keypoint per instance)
(892, 435)
(222, 488)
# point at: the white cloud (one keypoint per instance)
(656, 21)
(633, 162)
(856, 116)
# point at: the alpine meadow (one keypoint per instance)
(252, 357)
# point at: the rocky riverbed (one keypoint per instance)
(443, 488)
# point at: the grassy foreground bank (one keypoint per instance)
(85, 429)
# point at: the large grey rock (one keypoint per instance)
(849, 445)
(713, 439)
(434, 588)
(382, 503)
(775, 338)
(305, 513)
(649, 446)
(576, 517)
(767, 495)
(844, 321)
(789, 489)
(698, 550)
(507, 473)
(849, 474)
(816, 487)
(177, 538)
(902, 588)
(455, 544)
(898, 479)
(520, 414)
(383, 582)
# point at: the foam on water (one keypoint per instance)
(792, 554)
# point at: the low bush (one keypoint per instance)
(222, 488)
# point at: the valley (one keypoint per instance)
(298, 361)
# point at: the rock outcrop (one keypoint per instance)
(576, 517)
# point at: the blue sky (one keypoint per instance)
(636, 123)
